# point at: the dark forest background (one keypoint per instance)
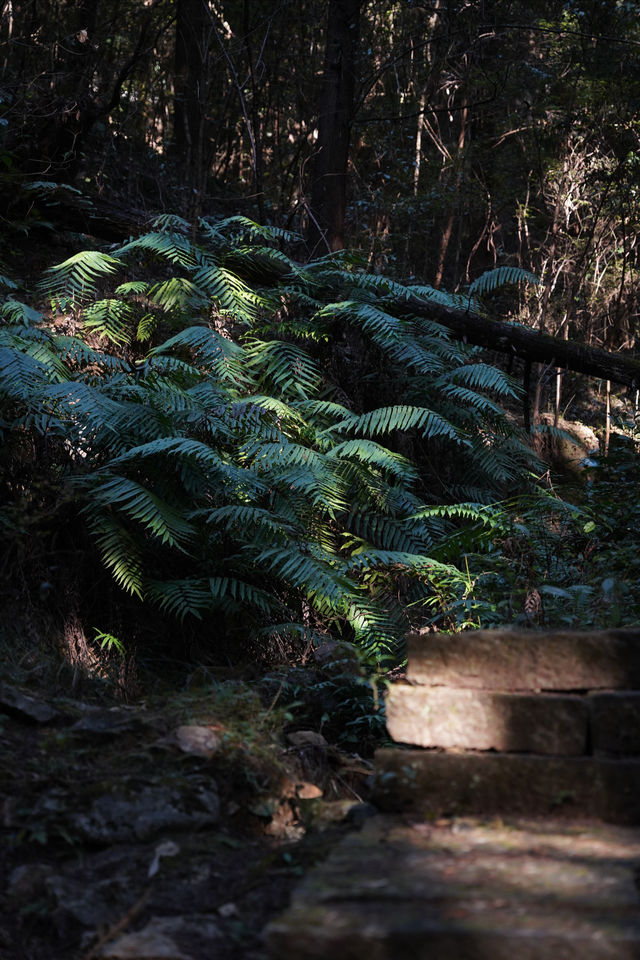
(477, 156)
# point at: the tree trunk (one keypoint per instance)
(191, 55)
(329, 178)
(530, 345)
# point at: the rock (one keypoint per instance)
(432, 784)
(307, 791)
(198, 740)
(78, 903)
(615, 722)
(25, 707)
(307, 738)
(337, 657)
(107, 723)
(27, 882)
(483, 720)
(574, 448)
(118, 818)
(168, 938)
(527, 660)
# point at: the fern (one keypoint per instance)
(78, 278)
(238, 476)
(492, 279)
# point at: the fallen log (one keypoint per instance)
(529, 345)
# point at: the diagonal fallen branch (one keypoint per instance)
(529, 345)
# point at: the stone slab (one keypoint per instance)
(487, 720)
(527, 660)
(615, 722)
(467, 889)
(434, 783)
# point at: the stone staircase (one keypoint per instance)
(512, 823)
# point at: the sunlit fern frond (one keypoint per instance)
(171, 223)
(119, 549)
(242, 227)
(208, 349)
(132, 288)
(78, 278)
(110, 319)
(231, 294)
(499, 277)
(386, 419)
(369, 452)
(172, 247)
(178, 294)
(283, 367)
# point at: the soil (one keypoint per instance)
(152, 830)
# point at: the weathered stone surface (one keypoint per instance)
(118, 818)
(24, 707)
(468, 890)
(168, 938)
(615, 722)
(436, 784)
(481, 720)
(104, 724)
(199, 740)
(527, 660)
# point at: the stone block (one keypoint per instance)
(433, 784)
(615, 722)
(487, 720)
(527, 660)
(467, 890)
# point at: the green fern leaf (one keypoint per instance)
(499, 277)
(78, 277)
(110, 319)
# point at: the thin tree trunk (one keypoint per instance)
(329, 178)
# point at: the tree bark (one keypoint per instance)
(530, 345)
(329, 177)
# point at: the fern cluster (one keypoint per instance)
(207, 428)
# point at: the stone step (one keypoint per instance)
(468, 890)
(488, 720)
(434, 783)
(527, 660)
(545, 723)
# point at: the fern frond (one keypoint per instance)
(162, 521)
(369, 452)
(136, 287)
(78, 278)
(482, 376)
(110, 319)
(119, 551)
(231, 294)
(146, 327)
(181, 598)
(284, 366)
(223, 230)
(209, 349)
(177, 293)
(171, 223)
(385, 419)
(19, 313)
(170, 246)
(499, 277)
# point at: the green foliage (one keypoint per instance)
(547, 563)
(235, 476)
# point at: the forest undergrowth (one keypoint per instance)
(214, 455)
